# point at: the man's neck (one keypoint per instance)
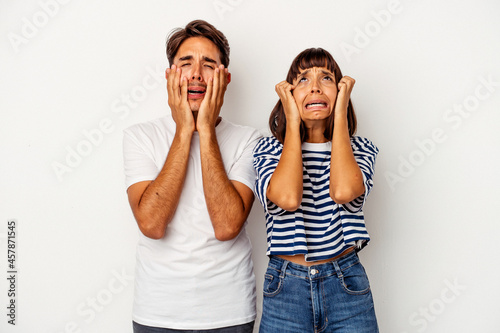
(195, 116)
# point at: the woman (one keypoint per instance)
(313, 179)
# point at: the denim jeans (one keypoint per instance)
(331, 297)
(245, 328)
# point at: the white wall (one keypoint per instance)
(427, 93)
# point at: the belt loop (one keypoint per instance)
(337, 268)
(283, 268)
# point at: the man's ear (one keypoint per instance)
(228, 78)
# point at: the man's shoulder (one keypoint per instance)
(150, 127)
(237, 127)
(239, 131)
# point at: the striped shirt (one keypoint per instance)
(319, 229)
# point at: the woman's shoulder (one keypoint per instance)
(268, 144)
(271, 139)
(363, 144)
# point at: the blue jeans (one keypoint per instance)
(331, 297)
(245, 328)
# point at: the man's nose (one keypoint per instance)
(196, 74)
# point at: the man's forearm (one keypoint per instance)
(225, 205)
(160, 199)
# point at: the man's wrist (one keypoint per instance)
(184, 133)
(206, 130)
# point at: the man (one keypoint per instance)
(190, 180)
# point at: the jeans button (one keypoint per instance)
(314, 271)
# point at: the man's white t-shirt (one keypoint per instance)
(189, 279)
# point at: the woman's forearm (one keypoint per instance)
(285, 186)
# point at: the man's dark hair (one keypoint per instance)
(197, 28)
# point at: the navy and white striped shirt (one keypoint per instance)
(319, 228)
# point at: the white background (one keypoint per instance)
(74, 69)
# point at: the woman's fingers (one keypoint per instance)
(346, 84)
(284, 90)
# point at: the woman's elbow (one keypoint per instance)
(290, 204)
(291, 207)
(341, 197)
(287, 199)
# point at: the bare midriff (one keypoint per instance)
(301, 260)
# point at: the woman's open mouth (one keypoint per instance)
(316, 105)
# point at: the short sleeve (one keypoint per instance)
(138, 163)
(242, 170)
(365, 153)
(266, 156)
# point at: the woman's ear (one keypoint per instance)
(228, 78)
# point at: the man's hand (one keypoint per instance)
(345, 86)
(177, 99)
(214, 98)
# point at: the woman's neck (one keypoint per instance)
(315, 134)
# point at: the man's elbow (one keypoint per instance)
(150, 230)
(227, 233)
(153, 234)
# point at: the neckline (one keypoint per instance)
(321, 146)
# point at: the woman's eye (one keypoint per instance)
(328, 78)
(303, 79)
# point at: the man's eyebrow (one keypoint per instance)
(188, 57)
(207, 59)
